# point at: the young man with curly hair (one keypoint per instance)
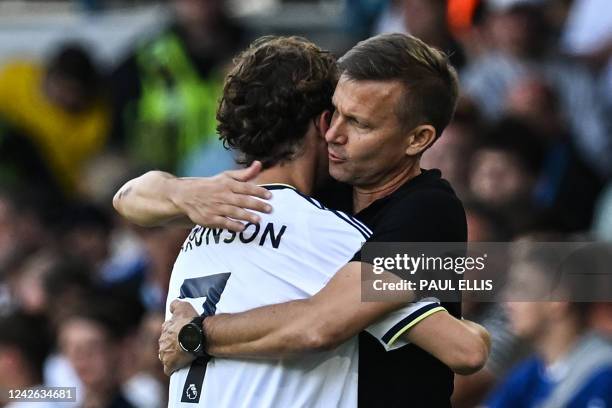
(277, 110)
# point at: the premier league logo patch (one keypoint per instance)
(191, 392)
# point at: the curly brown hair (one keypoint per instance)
(277, 86)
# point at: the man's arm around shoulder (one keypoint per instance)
(324, 321)
(332, 316)
(159, 198)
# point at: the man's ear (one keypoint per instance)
(323, 122)
(420, 139)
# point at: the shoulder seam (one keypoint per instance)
(358, 225)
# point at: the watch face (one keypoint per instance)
(190, 338)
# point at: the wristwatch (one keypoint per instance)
(191, 337)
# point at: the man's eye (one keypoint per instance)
(359, 124)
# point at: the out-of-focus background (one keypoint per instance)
(95, 92)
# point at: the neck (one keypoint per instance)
(557, 340)
(364, 196)
(297, 173)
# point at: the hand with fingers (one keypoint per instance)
(172, 356)
(225, 200)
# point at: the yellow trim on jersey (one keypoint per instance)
(414, 322)
(277, 184)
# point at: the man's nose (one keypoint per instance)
(335, 134)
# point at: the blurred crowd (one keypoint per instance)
(82, 293)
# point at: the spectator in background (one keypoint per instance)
(519, 36)
(59, 108)
(142, 380)
(117, 314)
(24, 344)
(536, 115)
(85, 234)
(425, 19)
(66, 284)
(166, 92)
(161, 245)
(146, 274)
(43, 284)
(503, 172)
(529, 167)
(24, 224)
(452, 152)
(91, 339)
(148, 385)
(572, 367)
(26, 282)
(588, 35)
(21, 162)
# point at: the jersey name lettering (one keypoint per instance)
(269, 233)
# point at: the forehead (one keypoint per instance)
(366, 96)
(79, 330)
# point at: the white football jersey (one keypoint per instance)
(291, 254)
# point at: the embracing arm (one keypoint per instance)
(334, 315)
(321, 322)
(462, 345)
(158, 198)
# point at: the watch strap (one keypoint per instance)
(201, 353)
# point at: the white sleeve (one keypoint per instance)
(388, 331)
